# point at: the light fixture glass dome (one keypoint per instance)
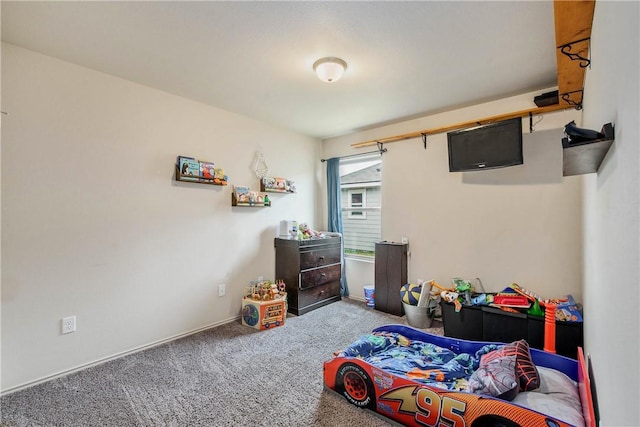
(329, 69)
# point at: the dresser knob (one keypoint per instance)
(321, 258)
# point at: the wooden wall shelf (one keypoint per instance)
(234, 202)
(586, 157)
(277, 185)
(199, 179)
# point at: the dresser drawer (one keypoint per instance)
(318, 294)
(319, 257)
(319, 276)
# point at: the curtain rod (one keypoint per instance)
(470, 123)
(380, 150)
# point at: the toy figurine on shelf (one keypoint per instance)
(219, 177)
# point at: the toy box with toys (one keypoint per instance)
(264, 305)
(554, 325)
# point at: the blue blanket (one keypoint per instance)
(420, 361)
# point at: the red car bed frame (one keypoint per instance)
(411, 403)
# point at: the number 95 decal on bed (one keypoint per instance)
(427, 405)
(424, 406)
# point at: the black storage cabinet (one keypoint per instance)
(390, 275)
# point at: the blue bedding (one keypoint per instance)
(419, 361)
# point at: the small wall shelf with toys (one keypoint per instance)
(244, 196)
(277, 185)
(189, 169)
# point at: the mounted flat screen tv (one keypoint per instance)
(496, 145)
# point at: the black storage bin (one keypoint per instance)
(535, 328)
(502, 326)
(466, 324)
(569, 336)
(493, 324)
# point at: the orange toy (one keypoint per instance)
(549, 316)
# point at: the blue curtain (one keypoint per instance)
(335, 211)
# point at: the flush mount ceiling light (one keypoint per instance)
(329, 69)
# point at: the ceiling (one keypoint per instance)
(405, 59)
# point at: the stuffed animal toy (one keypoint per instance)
(304, 232)
(449, 296)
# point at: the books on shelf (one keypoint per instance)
(278, 185)
(192, 169)
(207, 169)
(189, 168)
(243, 195)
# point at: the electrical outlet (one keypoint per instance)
(222, 290)
(68, 324)
(260, 278)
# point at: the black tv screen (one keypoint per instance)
(496, 145)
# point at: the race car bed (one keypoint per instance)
(419, 379)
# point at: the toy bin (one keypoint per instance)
(263, 315)
(466, 324)
(418, 317)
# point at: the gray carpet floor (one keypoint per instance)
(231, 375)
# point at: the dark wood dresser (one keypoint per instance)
(311, 270)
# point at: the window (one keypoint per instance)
(357, 199)
(360, 185)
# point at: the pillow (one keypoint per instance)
(549, 404)
(526, 371)
(553, 381)
(525, 368)
(496, 377)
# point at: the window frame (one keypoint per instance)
(359, 214)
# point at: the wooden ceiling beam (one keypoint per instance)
(573, 20)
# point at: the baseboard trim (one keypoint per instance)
(113, 357)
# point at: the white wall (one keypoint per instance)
(612, 212)
(520, 224)
(94, 225)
